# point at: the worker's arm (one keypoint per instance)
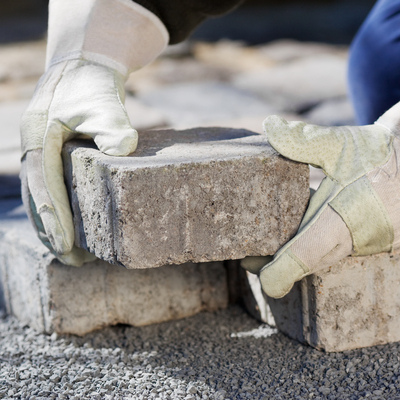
(356, 209)
(183, 16)
(92, 47)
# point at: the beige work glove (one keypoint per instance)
(356, 209)
(92, 47)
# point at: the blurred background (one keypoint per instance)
(268, 56)
(257, 21)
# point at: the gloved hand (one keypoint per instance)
(356, 209)
(92, 47)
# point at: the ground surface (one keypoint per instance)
(207, 356)
(225, 355)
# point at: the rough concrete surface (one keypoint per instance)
(350, 305)
(52, 297)
(200, 195)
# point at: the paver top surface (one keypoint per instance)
(166, 147)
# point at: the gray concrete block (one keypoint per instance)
(52, 297)
(351, 305)
(200, 195)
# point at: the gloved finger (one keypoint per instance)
(333, 149)
(76, 257)
(96, 109)
(30, 205)
(111, 130)
(48, 203)
(322, 243)
(255, 263)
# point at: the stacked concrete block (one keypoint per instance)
(200, 195)
(52, 297)
(353, 304)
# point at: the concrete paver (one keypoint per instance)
(51, 297)
(205, 194)
(350, 305)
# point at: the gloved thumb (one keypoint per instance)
(100, 114)
(321, 244)
(111, 132)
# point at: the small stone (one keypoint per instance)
(54, 378)
(220, 395)
(324, 390)
(192, 390)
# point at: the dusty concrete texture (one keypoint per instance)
(351, 305)
(52, 297)
(198, 195)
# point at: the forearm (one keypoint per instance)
(181, 18)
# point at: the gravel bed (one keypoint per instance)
(223, 355)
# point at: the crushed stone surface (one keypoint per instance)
(208, 356)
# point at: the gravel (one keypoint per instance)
(223, 355)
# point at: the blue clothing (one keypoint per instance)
(374, 64)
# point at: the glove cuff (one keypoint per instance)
(119, 34)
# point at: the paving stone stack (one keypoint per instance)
(203, 195)
(257, 196)
(52, 297)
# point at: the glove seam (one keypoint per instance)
(298, 261)
(290, 254)
(382, 209)
(95, 58)
(343, 213)
(119, 98)
(364, 172)
(24, 134)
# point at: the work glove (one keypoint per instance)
(93, 45)
(356, 209)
